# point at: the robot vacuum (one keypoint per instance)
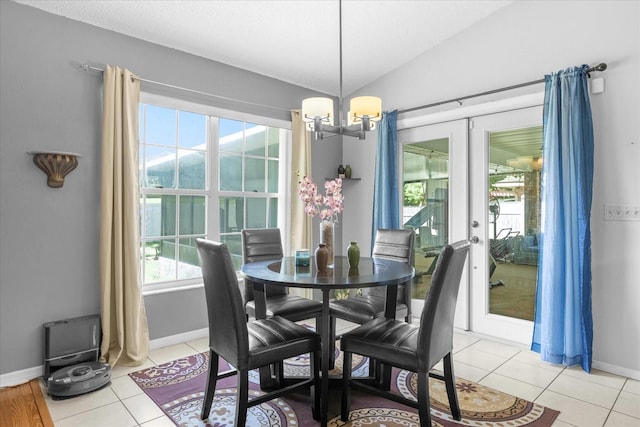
(79, 379)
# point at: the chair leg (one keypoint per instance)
(315, 389)
(319, 324)
(278, 369)
(450, 382)
(332, 342)
(385, 376)
(210, 389)
(373, 371)
(346, 389)
(424, 406)
(242, 398)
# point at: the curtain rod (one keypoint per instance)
(87, 67)
(600, 67)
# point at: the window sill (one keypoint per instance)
(170, 287)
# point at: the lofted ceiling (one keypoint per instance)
(296, 41)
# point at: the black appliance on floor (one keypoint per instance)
(71, 352)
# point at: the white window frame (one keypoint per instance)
(211, 191)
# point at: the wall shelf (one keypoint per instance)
(55, 164)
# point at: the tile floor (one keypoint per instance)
(584, 400)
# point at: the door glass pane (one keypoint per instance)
(426, 204)
(515, 162)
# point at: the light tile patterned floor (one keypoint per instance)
(597, 399)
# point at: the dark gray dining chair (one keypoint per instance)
(266, 244)
(244, 344)
(396, 245)
(416, 348)
(260, 244)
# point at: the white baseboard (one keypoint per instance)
(19, 377)
(616, 370)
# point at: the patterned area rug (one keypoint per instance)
(177, 388)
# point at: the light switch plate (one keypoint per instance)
(597, 85)
(615, 212)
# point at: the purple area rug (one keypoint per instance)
(177, 388)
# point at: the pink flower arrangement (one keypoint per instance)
(328, 206)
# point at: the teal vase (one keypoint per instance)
(353, 254)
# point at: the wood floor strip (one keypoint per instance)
(41, 403)
(24, 406)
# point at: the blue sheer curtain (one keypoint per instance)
(563, 325)
(386, 211)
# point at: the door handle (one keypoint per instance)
(475, 224)
(474, 239)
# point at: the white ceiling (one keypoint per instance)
(296, 41)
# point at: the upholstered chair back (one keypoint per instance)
(436, 321)
(228, 335)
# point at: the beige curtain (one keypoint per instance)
(300, 234)
(125, 336)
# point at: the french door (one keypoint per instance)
(479, 179)
(506, 149)
(435, 203)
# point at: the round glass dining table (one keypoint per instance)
(371, 272)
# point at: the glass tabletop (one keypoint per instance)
(370, 272)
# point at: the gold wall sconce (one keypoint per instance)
(56, 165)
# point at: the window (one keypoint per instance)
(249, 177)
(203, 173)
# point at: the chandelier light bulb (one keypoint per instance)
(318, 107)
(362, 106)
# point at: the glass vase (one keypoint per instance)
(326, 237)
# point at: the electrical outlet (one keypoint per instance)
(615, 212)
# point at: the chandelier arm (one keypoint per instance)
(318, 111)
(321, 118)
(366, 116)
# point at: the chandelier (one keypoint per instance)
(363, 113)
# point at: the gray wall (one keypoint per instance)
(521, 43)
(49, 237)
